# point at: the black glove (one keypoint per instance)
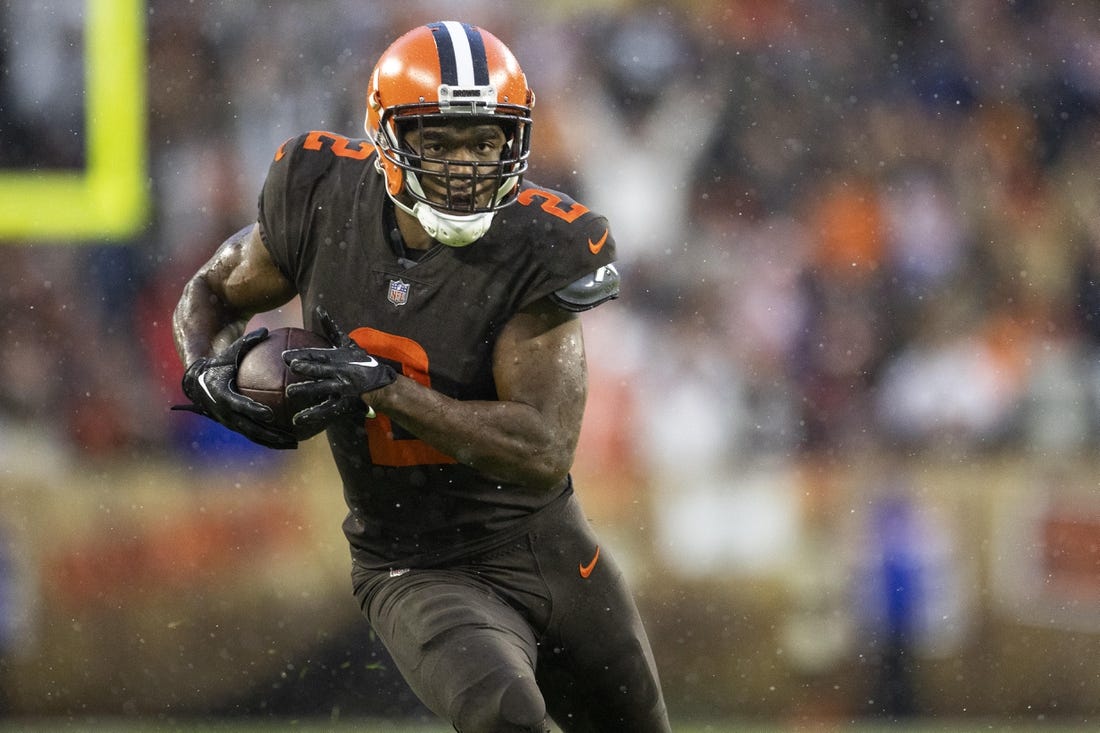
(339, 376)
(209, 383)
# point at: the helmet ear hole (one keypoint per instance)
(394, 176)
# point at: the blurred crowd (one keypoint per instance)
(842, 224)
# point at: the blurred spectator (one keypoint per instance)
(867, 219)
(910, 598)
(849, 230)
(41, 89)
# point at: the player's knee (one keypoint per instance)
(522, 707)
(514, 706)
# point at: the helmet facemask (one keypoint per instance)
(454, 199)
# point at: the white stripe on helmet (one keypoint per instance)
(464, 58)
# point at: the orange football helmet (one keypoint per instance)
(437, 74)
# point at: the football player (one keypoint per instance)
(449, 286)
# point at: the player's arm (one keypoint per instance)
(530, 435)
(527, 437)
(239, 281)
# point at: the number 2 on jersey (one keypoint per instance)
(552, 204)
(385, 448)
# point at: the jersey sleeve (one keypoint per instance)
(589, 291)
(575, 251)
(280, 228)
(292, 193)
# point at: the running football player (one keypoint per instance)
(449, 286)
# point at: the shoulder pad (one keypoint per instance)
(589, 291)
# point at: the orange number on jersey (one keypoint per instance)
(551, 204)
(385, 449)
(315, 141)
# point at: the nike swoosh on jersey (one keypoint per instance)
(586, 570)
(595, 247)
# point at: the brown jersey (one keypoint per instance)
(323, 216)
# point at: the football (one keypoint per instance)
(264, 376)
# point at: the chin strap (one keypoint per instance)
(453, 230)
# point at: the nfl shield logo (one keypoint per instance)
(399, 292)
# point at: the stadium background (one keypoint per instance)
(843, 421)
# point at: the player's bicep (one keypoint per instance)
(243, 275)
(237, 282)
(539, 361)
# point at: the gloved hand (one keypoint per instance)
(208, 383)
(340, 375)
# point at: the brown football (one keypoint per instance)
(264, 376)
